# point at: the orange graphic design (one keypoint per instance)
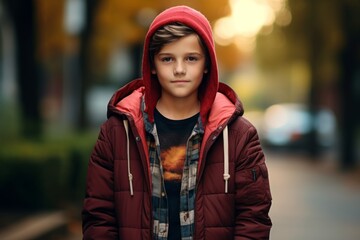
(173, 162)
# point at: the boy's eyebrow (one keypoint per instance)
(189, 53)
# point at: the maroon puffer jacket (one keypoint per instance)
(111, 212)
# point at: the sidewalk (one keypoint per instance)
(35, 226)
(312, 201)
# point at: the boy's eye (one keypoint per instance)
(192, 59)
(166, 59)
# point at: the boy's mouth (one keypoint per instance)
(180, 81)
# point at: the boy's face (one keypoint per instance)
(180, 66)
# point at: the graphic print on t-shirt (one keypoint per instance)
(173, 162)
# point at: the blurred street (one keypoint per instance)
(295, 70)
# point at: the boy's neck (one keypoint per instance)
(179, 108)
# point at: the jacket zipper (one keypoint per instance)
(202, 167)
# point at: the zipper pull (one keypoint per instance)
(253, 174)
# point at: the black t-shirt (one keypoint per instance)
(173, 136)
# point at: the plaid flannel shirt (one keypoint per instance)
(188, 183)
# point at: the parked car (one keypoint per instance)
(291, 125)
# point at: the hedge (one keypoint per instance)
(43, 174)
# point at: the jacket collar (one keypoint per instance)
(128, 101)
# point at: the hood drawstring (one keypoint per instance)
(126, 125)
(226, 158)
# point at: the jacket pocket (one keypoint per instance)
(253, 185)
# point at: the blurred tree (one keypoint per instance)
(314, 39)
(332, 48)
(61, 42)
(326, 53)
(85, 39)
(119, 24)
(23, 15)
(349, 81)
(52, 37)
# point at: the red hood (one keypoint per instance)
(127, 99)
(198, 22)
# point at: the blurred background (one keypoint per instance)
(294, 64)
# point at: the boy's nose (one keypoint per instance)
(179, 69)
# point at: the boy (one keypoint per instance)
(176, 159)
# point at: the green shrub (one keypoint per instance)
(47, 174)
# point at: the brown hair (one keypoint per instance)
(170, 33)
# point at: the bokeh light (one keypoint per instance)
(247, 19)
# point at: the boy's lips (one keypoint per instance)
(180, 81)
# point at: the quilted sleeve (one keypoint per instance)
(98, 213)
(253, 197)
